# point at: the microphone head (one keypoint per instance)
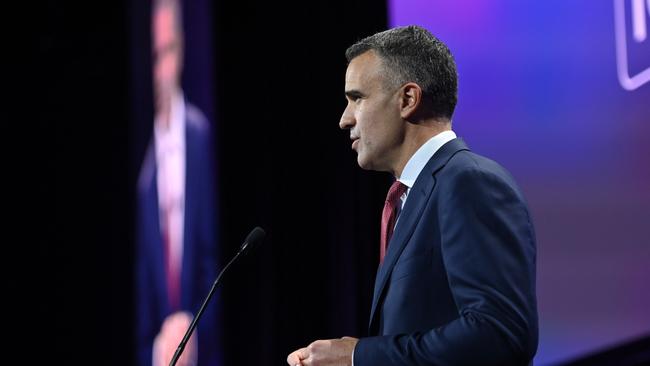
(253, 239)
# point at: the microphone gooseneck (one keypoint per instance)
(253, 239)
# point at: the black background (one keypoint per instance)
(283, 164)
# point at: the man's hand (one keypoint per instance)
(330, 352)
(171, 334)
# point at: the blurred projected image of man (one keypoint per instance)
(176, 253)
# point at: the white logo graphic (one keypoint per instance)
(640, 11)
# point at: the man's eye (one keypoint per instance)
(353, 98)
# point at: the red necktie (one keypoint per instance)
(389, 216)
(171, 273)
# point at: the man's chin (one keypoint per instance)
(363, 163)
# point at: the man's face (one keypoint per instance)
(372, 114)
(167, 57)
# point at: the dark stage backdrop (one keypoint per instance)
(278, 76)
(282, 164)
(78, 269)
(286, 166)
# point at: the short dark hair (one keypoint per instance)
(412, 54)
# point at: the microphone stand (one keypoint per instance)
(254, 237)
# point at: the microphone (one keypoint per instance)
(253, 239)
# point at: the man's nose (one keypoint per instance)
(347, 120)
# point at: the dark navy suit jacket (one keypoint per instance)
(199, 248)
(457, 286)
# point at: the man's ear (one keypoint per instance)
(410, 100)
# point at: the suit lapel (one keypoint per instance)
(157, 245)
(410, 216)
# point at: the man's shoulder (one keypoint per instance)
(198, 130)
(196, 119)
(147, 169)
(469, 166)
(468, 160)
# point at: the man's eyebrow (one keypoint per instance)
(353, 94)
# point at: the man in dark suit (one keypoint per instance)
(456, 281)
(176, 242)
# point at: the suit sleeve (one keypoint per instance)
(488, 249)
(146, 323)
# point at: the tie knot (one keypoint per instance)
(395, 192)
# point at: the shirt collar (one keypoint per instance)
(175, 134)
(417, 162)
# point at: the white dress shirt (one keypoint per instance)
(421, 157)
(170, 159)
